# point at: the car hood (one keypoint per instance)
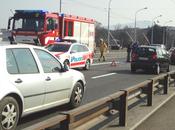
(77, 75)
(58, 53)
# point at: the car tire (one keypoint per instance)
(157, 69)
(9, 113)
(133, 69)
(168, 69)
(67, 63)
(87, 65)
(76, 96)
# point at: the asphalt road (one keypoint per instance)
(102, 80)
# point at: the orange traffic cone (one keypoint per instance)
(113, 63)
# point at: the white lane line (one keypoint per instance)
(95, 77)
(104, 63)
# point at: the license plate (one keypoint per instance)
(143, 58)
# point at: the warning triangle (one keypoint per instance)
(113, 63)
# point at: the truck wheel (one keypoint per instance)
(9, 113)
(133, 69)
(87, 65)
(77, 95)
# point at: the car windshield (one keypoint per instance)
(58, 47)
(28, 24)
(144, 51)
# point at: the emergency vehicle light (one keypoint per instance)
(62, 14)
(31, 11)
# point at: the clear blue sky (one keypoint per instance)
(122, 11)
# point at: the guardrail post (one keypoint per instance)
(150, 93)
(64, 125)
(166, 84)
(123, 108)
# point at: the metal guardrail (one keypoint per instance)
(112, 104)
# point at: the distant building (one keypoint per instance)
(4, 34)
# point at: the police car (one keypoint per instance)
(75, 55)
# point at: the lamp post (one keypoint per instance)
(152, 35)
(60, 5)
(164, 37)
(109, 4)
(135, 30)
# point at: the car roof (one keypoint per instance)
(67, 43)
(148, 46)
(7, 45)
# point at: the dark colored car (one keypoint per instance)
(150, 58)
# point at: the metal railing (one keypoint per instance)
(110, 105)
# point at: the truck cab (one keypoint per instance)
(42, 28)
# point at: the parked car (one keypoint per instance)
(76, 55)
(150, 58)
(159, 45)
(172, 55)
(32, 79)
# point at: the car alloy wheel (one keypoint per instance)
(9, 113)
(77, 95)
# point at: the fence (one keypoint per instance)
(0, 36)
(110, 105)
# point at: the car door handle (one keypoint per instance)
(48, 79)
(18, 81)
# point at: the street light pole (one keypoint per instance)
(135, 25)
(164, 37)
(109, 4)
(60, 5)
(152, 35)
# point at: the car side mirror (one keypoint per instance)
(66, 67)
(56, 69)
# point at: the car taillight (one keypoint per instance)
(134, 56)
(154, 56)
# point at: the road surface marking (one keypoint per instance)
(95, 77)
(104, 63)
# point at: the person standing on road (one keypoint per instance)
(134, 46)
(128, 52)
(103, 49)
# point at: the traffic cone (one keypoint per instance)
(113, 63)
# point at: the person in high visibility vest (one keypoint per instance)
(103, 48)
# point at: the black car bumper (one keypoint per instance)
(143, 65)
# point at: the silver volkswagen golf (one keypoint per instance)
(32, 79)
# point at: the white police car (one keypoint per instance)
(75, 55)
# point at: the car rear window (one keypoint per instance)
(58, 47)
(143, 51)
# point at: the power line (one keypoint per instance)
(90, 6)
(103, 9)
(121, 16)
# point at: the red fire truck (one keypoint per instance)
(42, 28)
